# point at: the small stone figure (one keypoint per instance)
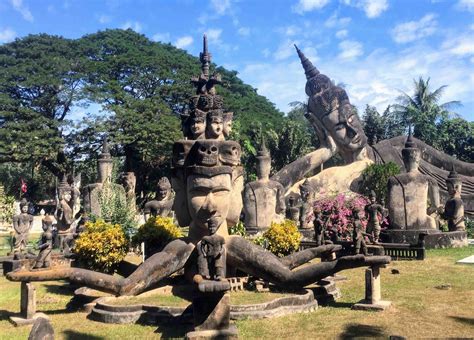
(64, 214)
(197, 124)
(293, 207)
(211, 256)
(228, 118)
(263, 199)
(454, 208)
(163, 202)
(215, 125)
(306, 193)
(372, 210)
(77, 227)
(318, 224)
(22, 224)
(46, 244)
(358, 234)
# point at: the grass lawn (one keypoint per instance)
(419, 309)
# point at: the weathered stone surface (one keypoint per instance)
(211, 311)
(163, 203)
(28, 300)
(433, 239)
(22, 224)
(373, 295)
(42, 330)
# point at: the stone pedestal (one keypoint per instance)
(373, 298)
(28, 313)
(211, 314)
(433, 239)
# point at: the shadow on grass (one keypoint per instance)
(336, 304)
(59, 289)
(462, 319)
(74, 335)
(5, 314)
(174, 327)
(353, 330)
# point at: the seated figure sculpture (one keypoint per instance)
(22, 224)
(408, 194)
(46, 245)
(163, 203)
(339, 130)
(208, 173)
(263, 199)
(453, 210)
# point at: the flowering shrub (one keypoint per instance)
(337, 213)
(283, 238)
(156, 233)
(101, 246)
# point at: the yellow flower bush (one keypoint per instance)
(283, 238)
(101, 246)
(157, 232)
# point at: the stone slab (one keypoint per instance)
(41, 330)
(377, 307)
(224, 334)
(467, 260)
(19, 321)
(434, 239)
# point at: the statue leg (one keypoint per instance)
(160, 265)
(297, 259)
(258, 262)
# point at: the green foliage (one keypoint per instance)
(6, 207)
(469, 223)
(373, 125)
(101, 246)
(117, 209)
(283, 238)
(157, 232)
(375, 177)
(238, 229)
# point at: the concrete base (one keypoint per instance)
(467, 260)
(19, 321)
(367, 305)
(224, 334)
(434, 239)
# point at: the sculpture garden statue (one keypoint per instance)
(228, 119)
(163, 202)
(211, 255)
(22, 224)
(372, 210)
(408, 194)
(129, 182)
(453, 210)
(64, 213)
(358, 234)
(306, 194)
(339, 130)
(263, 199)
(46, 244)
(208, 175)
(293, 207)
(319, 226)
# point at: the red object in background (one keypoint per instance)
(24, 187)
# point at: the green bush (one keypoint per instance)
(283, 238)
(238, 229)
(375, 177)
(101, 246)
(7, 207)
(156, 233)
(469, 227)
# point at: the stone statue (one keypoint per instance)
(163, 202)
(454, 209)
(64, 214)
(293, 207)
(22, 224)
(339, 130)
(408, 194)
(358, 233)
(211, 256)
(215, 125)
(208, 183)
(228, 119)
(372, 210)
(319, 226)
(129, 182)
(263, 198)
(306, 194)
(46, 244)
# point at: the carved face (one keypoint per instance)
(215, 127)
(207, 154)
(162, 193)
(229, 153)
(227, 128)
(209, 200)
(24, 208)
(67, 196)
(411, 159)
(198, 126)
(453, 187)
(46, 225)
(263, 168)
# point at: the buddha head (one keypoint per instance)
(24, 206)
(163, 189)
(228, 118)
(197, 124)
(454, 183)
(47, 223)
(215, 125)
(332, 110)
(411, 155)
(264, 163)
(372, 197)
(305, 190)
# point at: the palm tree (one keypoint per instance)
(422, 111)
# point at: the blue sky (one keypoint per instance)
(375, 47)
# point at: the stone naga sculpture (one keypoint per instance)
(340, 131)
(206, 175)
(22, 224)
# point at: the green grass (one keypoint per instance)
(419, 309)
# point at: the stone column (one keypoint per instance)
(373, 296)
(28, 300)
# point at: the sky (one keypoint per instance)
(376, 48)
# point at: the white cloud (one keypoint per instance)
(309, 5)
(243, 31)
(335, 21)
(163, 37)
(350, 49)
(184, 42)
(414, 30)
(460, 46)
(134, 25)
(373, 8)
(341, 34)
(266, 52)
(214, 35)
(7, 35)
(466, 5)
(104, 19)
(22, 9)
(221, 6)
(285, 50)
